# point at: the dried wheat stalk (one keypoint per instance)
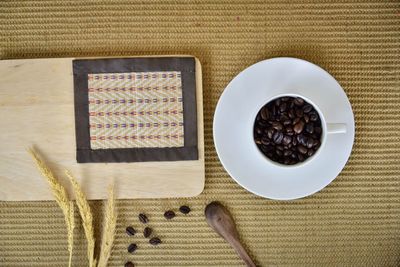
(61, 197)
(110, 225)
(87, 218)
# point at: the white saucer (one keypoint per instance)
(234, 120)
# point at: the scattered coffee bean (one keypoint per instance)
(129, 264)
(147, 232)
(132, 248)
(143, 218)
(184, 209)
(169, 214)
(155, 241)
(130, 231)
(288, 130)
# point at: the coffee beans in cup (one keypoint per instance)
(288, 130)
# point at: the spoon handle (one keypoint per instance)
(237, 246)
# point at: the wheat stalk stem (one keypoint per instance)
(61, 197)
(87, 218)
(109, 228)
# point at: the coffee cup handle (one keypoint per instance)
(336, 128)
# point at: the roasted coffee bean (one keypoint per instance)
(291, 114)
(313, 117)
(295, 121)
(155, 241)
(307, 108)
(274, 111)
(283, 107)
(169, 214)
(129, 264)
(265, 141)
(310, 142)
(287, 130)
(265, 114)
(283, 117)
(147, 232)
(258, 131)
(287, 153)
(317, 143)
(143, 218)
(287, 122)
(299, 113)
(270, 133)
(309, 128)
(130, 231)
(262, 123)
(287, 140)
(302, 149)
(298, 101)
(278, 137)
(303, 140)
(184, 209)
(132, 248)
(294, 141)
(277, 126)
(298, 128)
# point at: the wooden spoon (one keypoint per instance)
(219, 218)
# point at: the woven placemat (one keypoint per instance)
(355, 221)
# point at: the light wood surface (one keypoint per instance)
(221, 221)
(37, 109)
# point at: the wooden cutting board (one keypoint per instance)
(37, 109)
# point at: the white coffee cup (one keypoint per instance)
(327, 128)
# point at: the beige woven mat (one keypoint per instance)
(355, 221)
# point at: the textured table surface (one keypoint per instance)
(355, 221)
